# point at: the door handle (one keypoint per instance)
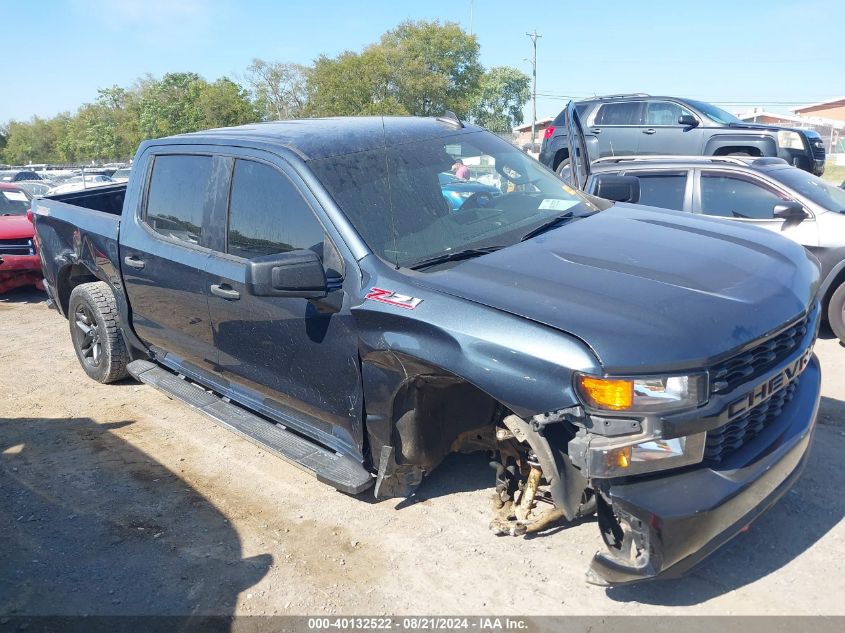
(134, 262)
(650, 130)
(595, 130)
(225, 292)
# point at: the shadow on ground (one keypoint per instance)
(27, 294)
(90, 525)
(802, 517)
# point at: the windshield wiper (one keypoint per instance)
(548, 225)
(467, 253)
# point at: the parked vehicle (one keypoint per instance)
(307, 275)
(638, 124)
(766, 192)
(79, 183)
(36, 187)
(19, 263)
(121, 175)
(456, 191)
(17, 175)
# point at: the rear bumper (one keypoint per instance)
(677, 521)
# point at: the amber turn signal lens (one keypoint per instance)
(605, 393)
(618, 458)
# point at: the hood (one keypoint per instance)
(14, 227)
(646, 289)
(773, 128)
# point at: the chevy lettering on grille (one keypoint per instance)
(766, 390)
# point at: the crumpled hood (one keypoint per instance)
(646, 289)
(14, 227)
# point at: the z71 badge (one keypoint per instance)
(393, 298)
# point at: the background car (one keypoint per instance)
(122, 174)
(641, 124)
(17, 175)
(456, 191)
(36, 187)
(19, 262)
(77, 183)
(766, 192)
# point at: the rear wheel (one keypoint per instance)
(563, 170)
(836, 312)
(94, 330)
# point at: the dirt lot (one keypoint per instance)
(116, 500)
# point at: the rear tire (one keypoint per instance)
(836, 313)
(562, 170)
(95, 332)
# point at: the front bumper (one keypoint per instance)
(673, 522)
(19, 270)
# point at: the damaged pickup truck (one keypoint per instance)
(306, 285)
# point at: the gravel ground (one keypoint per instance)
(116, 500)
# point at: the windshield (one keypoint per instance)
(401, 198)
(717, 114)
(822, 193)
(13, 202)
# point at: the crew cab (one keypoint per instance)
(306, 285)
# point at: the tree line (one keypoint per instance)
(419, 68)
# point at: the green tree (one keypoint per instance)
(224, 103)
(420, 68)
(171, 105)
(502, 94)
(280, 90)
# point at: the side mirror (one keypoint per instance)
(789, 211)
(617, 188)
(292, 274)
(687, 120)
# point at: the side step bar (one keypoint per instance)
(330, 468)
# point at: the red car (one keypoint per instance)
(19, 263)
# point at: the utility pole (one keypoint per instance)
(471, 4)
(534, 37)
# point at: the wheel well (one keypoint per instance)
(560, 156)
(724, 151)
(439, 414)
(68, 279)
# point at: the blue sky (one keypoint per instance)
(772, 53)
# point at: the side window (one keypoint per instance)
(664, 113)
(267, 214)
(626, 113)
(178, 189)
(664, 189)
(737, 196)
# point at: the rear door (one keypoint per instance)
(164, 253)
(617, 126)
(662, 134)
(744, 197)
(293, 359)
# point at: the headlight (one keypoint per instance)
(790, 140)
(644, 394)
(645, 457)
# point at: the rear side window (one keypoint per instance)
(664, 190)
(178, 190)
(627, 113)
(736, 196)
(267, 215)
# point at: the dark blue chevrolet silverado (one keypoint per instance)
(306, 285)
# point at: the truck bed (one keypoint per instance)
(77, 234)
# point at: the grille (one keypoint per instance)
(726, 439)
(729, 374)
(21, 246)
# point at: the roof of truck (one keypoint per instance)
(320, 138)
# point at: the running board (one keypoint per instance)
(330, 468)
